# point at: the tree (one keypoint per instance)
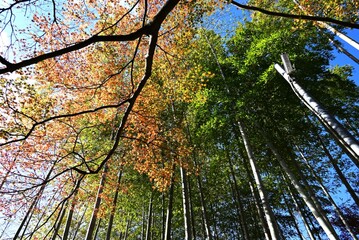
(104, 84)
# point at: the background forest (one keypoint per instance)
(123, 119)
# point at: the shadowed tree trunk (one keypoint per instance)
(91, 228)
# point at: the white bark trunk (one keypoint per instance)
(322, 220)
(272, 225)
(344, 138)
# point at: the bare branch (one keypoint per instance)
(295, 16)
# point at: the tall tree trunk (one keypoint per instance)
(272, 225)
(343, 50)
(238, 201)
(97, 228)
(344, 37)
(91, 228)
(338, 171)
(149, 218)
(296, 226)
(260, 211)
(71, 210)
(204, 209)
(169, 208)
(324, 189)
(345, 140)
(314, 208)
(143, 223)
(59, 220)
(28, 214)
(114, 203)
(79, 224)
(128, 224)
(186, 205)
(300, 212)
(191, 208)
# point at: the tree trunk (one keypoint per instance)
(338, 171)
(272, 225)
(315, 209)
(336, 208)
(169, 209)
(343, 50)
(128, 224)
(299, 211)
(294, 220)
(191, 208)
(149, 218)
(28, 214)
(238, 202)
(186, 205)
(114, 203)
(345, 140)
(204, 209)
(91, 228)
(71, 210)
(59, 220)
(79, 224)
(259, 208)
(97, 228)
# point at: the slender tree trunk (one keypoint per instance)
(169, 208)
(238, 202)
(314, 208)
(59, 220)
(204, 209)
(28, 214)
(79, 223)
(289, 210)
(191, 208)
(186, 205)
(301, 214)
(114, 203)
(344, 37)
(143, 223)
(272, 225)
(324, 189)
(338, 171)
(163, 218)
(71, 210)
(260, 211)
(345, 140)
(149, 218)
(128, 224)
(91, 228)
(97, 228)
(343, 50)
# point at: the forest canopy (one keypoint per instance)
(137, 119)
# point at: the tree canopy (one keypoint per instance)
(127, 119)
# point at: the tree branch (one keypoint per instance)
(295, 16)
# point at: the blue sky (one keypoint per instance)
(342, 59)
